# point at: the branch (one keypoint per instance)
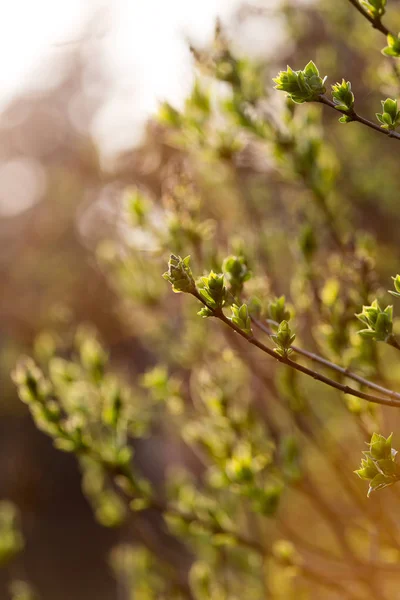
(327, 363)
(392, 341)
(376, 23)
(358, 118)
(298, 367)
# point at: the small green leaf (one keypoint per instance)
(283, 338)
(379, 482)
(205, 312)
(379, 322)
(342, 95)
(212, 289)
(241, 318)
(375, 8)
(393, 47)
(396, 283)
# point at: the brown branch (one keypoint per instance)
(330, 365)
(358, 118)
(375, 22)
(298, 367)
(392, 341)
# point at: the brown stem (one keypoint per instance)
(358, 118)
(330, 365)
(298, 367)
(392, 341)
(375, 22)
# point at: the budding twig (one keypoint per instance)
(218, 313)
(375, 22)
(358, 118)
(330, 365)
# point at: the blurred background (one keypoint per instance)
(79, 81)
(79, 84)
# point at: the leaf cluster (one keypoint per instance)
(379, 467)
(304, 85)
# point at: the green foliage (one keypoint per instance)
(285, 552)
(201, 582)
(168, 115)
(11, 539)
(396, 283)
(379, 467)
(140, 571)
(236, 273)
(290, 454)
(307, 243)
(241, 318)
(390, 116)
(212, 290)
(343, 99)
(12, 543)
(283, 339)
(179, 274)
(342, 95)
(301, 86)
(232, 431)
(90, 415)
(137, 207)
(393, 47)
(375, 8)
(278, 311)
(379, 322)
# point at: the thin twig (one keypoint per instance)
(376, 23)
(298, 367)
(392, 341)
(358, 118)
(330, 365)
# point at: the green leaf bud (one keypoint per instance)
(390, 116)
(179, 275)
(277, 310)
(266, 500)
(381, 447)
(168, 115)
(375, 8)
(393, 47)
(241, 318)
(379, 322)
(283, 338)
(11, 540)
(343, 97)
(301, 86)
(396, 283)
(236, 272)
(213, 291)
(379, 466)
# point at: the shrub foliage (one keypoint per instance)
(276, 360)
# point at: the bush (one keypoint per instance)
(259, 434)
